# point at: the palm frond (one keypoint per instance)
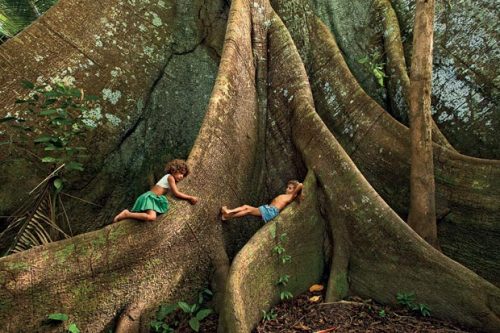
(15, 15)
(36, 222)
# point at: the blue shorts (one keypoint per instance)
(268, 212)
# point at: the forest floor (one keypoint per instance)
(303, 315)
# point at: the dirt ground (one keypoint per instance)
(352, 315)
(301, 315)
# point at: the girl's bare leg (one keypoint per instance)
(149, 215)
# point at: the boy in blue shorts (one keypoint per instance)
(267, 212)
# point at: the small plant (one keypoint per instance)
(279, 249)
(382, 313)
(408, 301)
(283, 258)
(158, 325)
(53, 120)
(373, 63)
(192, 313)
(286, 258)
(271, 315)
(283, 280)
(424, 310)
(285, 294)
(49, 127)
(61, 318)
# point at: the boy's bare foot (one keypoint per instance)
(121, 216)
(224, 213)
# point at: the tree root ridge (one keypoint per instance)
(374, 253)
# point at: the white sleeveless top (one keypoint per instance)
(164, 181)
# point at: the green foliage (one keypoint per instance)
(72, 328)
(283, 280)
(49, 127)
(285, 294)
(283, 258)
(286, 258)
(15, 15)
(161, 327)
(279, 249)
(408, 301)
(166, 320)
(62, 317)
(271, 315)
(53, 121)
(58, 316)
(423, 309)
(374, 65)
(382, 313)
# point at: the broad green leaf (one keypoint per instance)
(44, 138)
(51, 147)
(74, 166)
(203, 313)
(155, 324)
(58, 316)
(49, 159)
(58, 184)
(52, 93)
(363, 60)
(165, 310)
(49, 101)
(194, 307)
(184, 307)
(48, 112)
(272, 230)
(27, 84)
(194, 324)
(91, 97)
(7, 119)
(72, 328)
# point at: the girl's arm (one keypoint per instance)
(179, 194)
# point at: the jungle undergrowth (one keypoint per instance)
(172, 317)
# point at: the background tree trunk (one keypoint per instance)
(422, 216)
(94, 276)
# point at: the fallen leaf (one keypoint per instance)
(302, 327)
(316, 287)
(327, 330)
(315, 299)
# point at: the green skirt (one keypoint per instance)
(151, 201)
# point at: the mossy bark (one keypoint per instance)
(375, 254)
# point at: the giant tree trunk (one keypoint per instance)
(422, 216)
(375, 254)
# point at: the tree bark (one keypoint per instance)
(94, 276)
(422, 214)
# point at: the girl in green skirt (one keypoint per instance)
(154, 202)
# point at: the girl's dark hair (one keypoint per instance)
(177, 165)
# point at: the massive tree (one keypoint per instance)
(285, 104)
